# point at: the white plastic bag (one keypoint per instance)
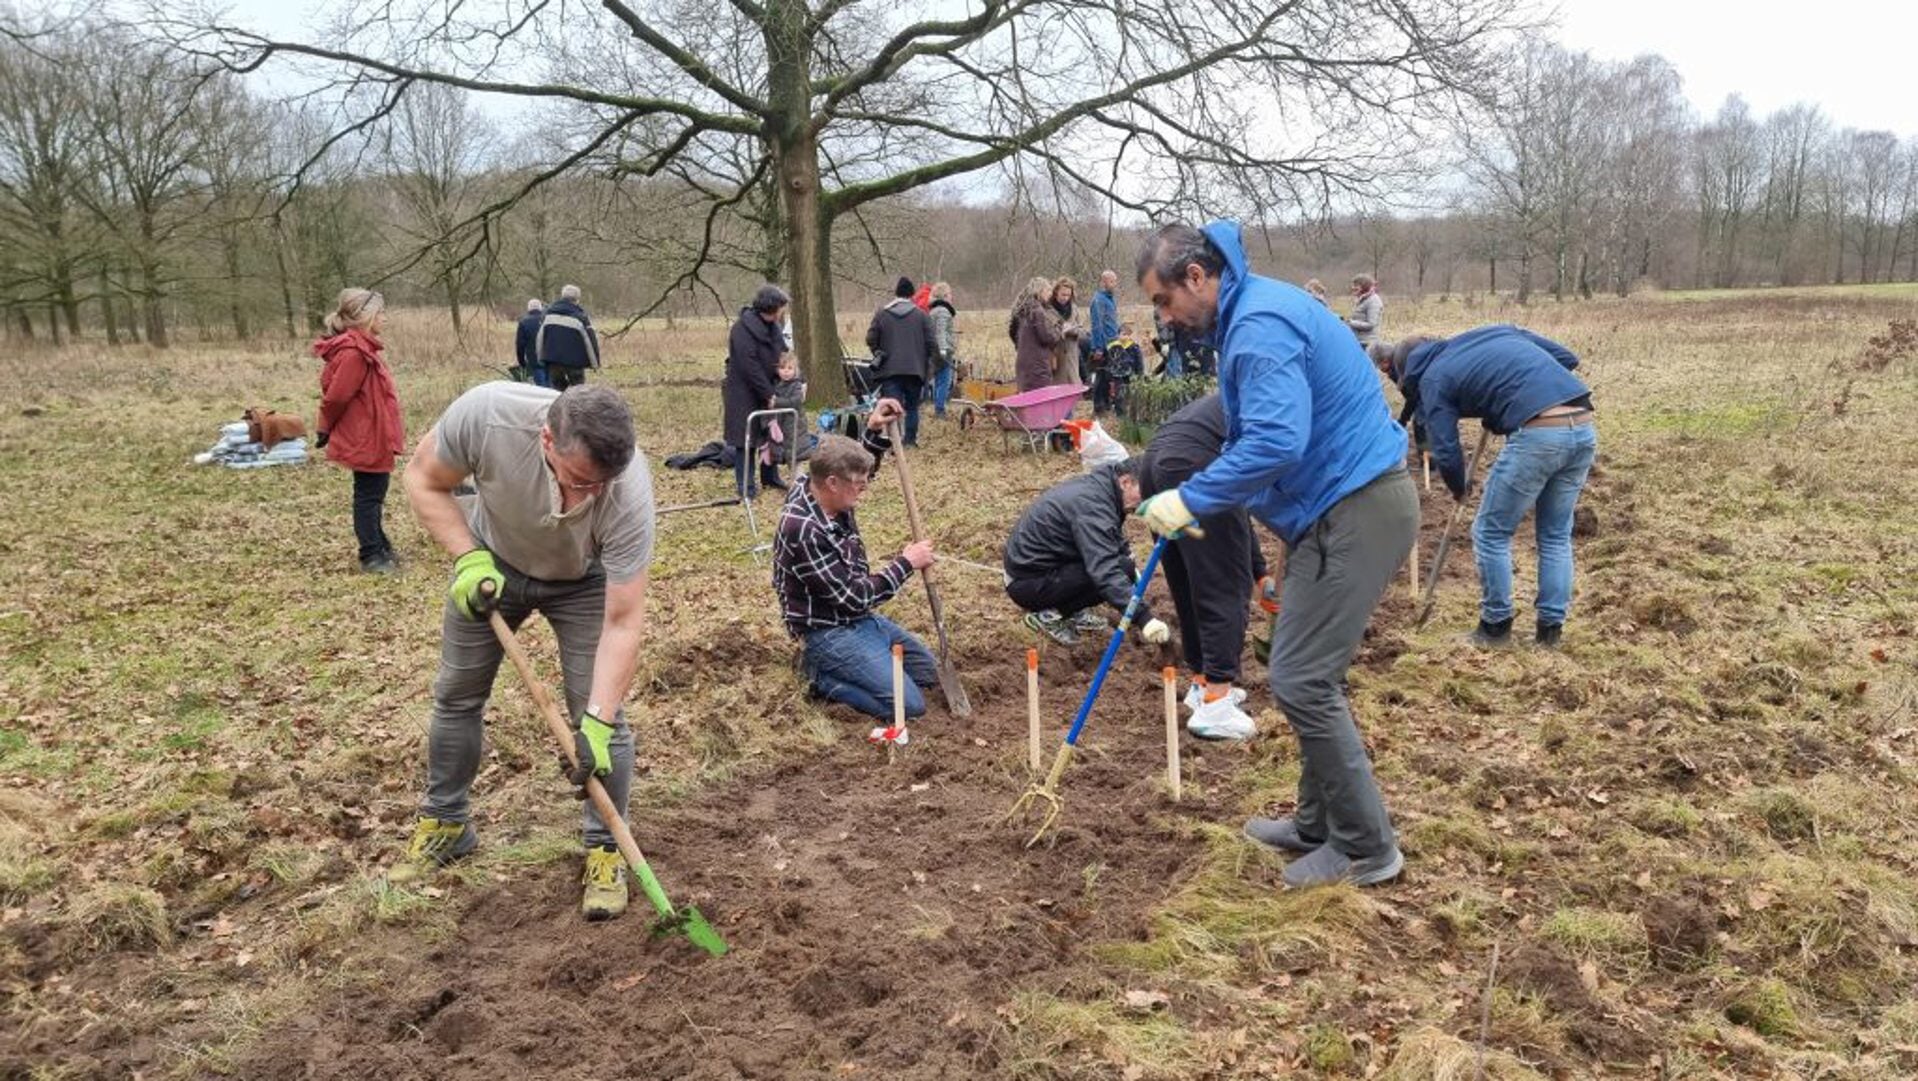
(1097, 448)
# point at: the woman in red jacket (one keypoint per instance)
(360, 424)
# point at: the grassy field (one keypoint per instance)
(1688, 838)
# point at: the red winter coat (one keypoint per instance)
(359, 409)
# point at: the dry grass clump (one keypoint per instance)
(1428, 1054)
(117, 915)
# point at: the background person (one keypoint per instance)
(1105, 325)
(945, 341)
(1036, 333)
(566, 343)
(828, 592)
(900, 337)
(1066, 361)
(1313, 453)
(561, 524)
(753, 348)
(1521, 386)
(1317, 288)
(525, 345)
(1368, 309)
(1067, 555)
(360, 425)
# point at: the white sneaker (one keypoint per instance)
(1195, 696)
(1221, 718)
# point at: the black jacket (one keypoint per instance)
(524, 340)
(1079, 520)
(566, 337)
(900, 338)
(752, 364)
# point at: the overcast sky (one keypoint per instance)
(1854, 58)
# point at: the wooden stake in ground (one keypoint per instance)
(1428, 470)
(1035, 757)
(1412, 564)
(949, 684)
(898, 698)
(1171, 677)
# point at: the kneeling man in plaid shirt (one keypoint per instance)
(827, 591)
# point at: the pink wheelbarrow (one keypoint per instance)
(1033, 414)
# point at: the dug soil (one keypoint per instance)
(879, 914)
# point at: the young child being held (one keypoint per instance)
(1124, 359)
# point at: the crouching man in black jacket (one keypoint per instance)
(1067, 555)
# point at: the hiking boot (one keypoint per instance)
(1195, 695)
(381, 564)
(1280, 833)
(1090, 621)
(1548, 635)
(1325, 866)
(436, 843)
(605, 880)
(1221, 718)
(1053, 626)
(1491, 635)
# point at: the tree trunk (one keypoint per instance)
(106, 309)
(53, 322)
(286, 284)
(25, 323)
(795, 149)
(235, 310)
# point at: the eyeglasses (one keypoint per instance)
(555, 463)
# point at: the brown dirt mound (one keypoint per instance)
(879, 917)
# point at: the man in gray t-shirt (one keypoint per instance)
(560, 522)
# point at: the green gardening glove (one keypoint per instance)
(593, 747)
(470, 571)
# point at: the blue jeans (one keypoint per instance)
(853, 664)
(541, 377)
(905, 389)
(941, 390)
(1542, 469)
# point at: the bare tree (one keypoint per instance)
(437, 148)
(42, 172)
(1728, 176)
(146, 140)
(840, 104)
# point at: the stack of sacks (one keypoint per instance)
(235, 451)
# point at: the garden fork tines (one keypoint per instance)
(1047, 792)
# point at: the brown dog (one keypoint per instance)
(267, 428)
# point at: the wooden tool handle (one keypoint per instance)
(595, 791)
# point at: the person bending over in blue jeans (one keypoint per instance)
(1521, 386)
(827, 590)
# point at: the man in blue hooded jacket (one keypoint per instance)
(1521, 386)
(1312, 451)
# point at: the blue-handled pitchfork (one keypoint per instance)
(1046, 792)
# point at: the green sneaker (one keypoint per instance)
(605, 880)
(436, 843)
(1053, 626)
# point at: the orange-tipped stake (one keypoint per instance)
(1171, 677)
(1035, 758)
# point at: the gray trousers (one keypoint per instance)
(1334, 578)
(470, 657)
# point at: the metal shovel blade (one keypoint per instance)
(956, 701)
(689, 922)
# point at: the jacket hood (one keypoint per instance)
(564, 307)
(758, 327)
(1417, 361)
(900, 307)
(352, 337)
(942, 302)
(1229, 238)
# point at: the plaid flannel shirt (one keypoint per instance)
(820, 570)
